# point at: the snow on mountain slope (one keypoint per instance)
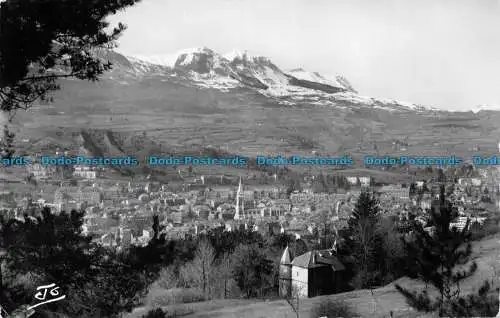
(203, 67)
(201, 60)
(167, 60)
(162, 60)
(235, 54)
(345, 83)
(258, 71)
(314, 77)
(249, 70)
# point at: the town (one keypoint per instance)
(120, 214)
(243, 159)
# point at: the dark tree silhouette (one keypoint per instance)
(43, 41)
(323, 219)
(294, 184)
(252, 270)
(365, 239)
(437, 254)
(7, 148)
(441, 177)
(155, 313)
(413, 189)
(51, 248)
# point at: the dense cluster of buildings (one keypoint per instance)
(120, 214)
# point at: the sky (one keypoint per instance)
(442, 53)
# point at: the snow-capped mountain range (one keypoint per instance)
(240, 68)
(206, 68)
(246, 103)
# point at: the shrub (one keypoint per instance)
(332, 309)
(489, 228)
(155, 313)
(177, 296)
(482, 304)
(168, 278)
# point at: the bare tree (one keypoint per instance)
(168, 278)
(203, 264)
(323, 219)
(225, 273)
(493, 263)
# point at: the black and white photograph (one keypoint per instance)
(249, 158)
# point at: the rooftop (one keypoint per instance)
(313, 259)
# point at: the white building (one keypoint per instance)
(476, 182)
(352, 180)
(470, 181)
(41, 172)
(312, 274)
(365, 181)
(85, 172)
(460, 224)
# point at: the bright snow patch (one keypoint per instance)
(242, 55)
(234, 55)
(163, 60)
(168, 59)
(314, 77)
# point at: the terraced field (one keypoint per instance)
(247, 123)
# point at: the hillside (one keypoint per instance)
(247, 105)
(384, 300)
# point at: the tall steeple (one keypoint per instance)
(238, 194)
(243, 205)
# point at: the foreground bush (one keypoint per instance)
(332, 309)
(490, 228)
(155, 313)
(176, 296)
(482, 304)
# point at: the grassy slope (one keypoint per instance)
(248, 123)
(387, 298)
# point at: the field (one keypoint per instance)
(247, 123)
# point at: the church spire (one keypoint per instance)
(238, 194)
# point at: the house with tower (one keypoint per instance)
(315, 273)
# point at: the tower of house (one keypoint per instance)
(285, 277)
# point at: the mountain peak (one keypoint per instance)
(202, 67)
(250, 70)
(200, 60)
(202, 49)
(235, 54)
(170, 60)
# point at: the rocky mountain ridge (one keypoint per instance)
(205, 68)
